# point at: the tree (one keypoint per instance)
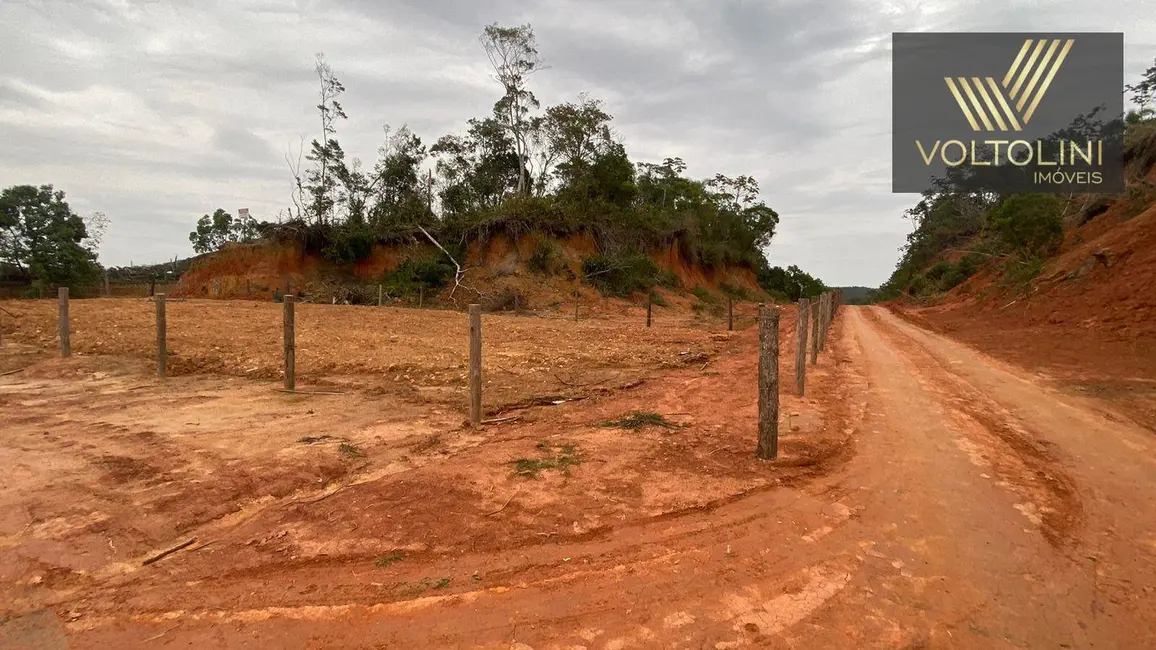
(514, 55)
(95, 226)
(571, 136)
(400, 193)
(791, 282)
(42, 240)
(478, 170)
(1144, 91)
(215, 231)
(326, 155)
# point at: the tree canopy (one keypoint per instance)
(560, 170)
(215, 231)
(42, 240)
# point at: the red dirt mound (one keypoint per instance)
(495, 264)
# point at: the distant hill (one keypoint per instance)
(857, 295)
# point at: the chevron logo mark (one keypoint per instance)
(1010, 103)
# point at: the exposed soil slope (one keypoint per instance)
(1088, 321)
(495, 264)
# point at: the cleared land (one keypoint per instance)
(412, 352)
(618, 429)
(926, 495)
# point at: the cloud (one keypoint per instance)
(157, 111)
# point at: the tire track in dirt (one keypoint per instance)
(1104, 562)
(597, 560)
(1013, 450)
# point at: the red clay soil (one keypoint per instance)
(257, 271)
(925, 497)
(1089, 322)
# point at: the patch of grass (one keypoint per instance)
(415, 588)
(1019, 273)
(532, 467)
(736, 291)
(641, 420)
(559, 457)
(668, 279)
(347, 449)
(386, 560)
(704, 294)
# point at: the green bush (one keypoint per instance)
(544, 259)
(704, 294)
(668, 279)
(413, 274)
(1030, 224)
(736, 291)
(1020, 272)
(348, 245)
(658, 299)
(620, 274)
(959, 272)
(937, 271)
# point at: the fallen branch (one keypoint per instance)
(320, 498)
(501, 420)
(460, 271)
(9, 313)
(154, 638)
(307, 392)
(516, 490)
(12, 372)
(169, 551)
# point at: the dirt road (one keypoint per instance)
(972, 508)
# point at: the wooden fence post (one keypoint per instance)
(420, 296)
(730, 314)
(65, 343)
(475, 366)
(290, 345)
(379, 295)
(577, 295)
(768, 382)
(830, 315)
(804, 322)
(815, 332)
(823, 306)
(649, 302)
(107, 293)
(162, 349)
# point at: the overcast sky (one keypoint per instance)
(155, 113)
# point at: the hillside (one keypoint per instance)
(532, 272)
(1081, 312)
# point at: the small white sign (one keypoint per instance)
(243, 212)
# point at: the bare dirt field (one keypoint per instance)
(108, 465)
(413, 353)
(926, 494)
